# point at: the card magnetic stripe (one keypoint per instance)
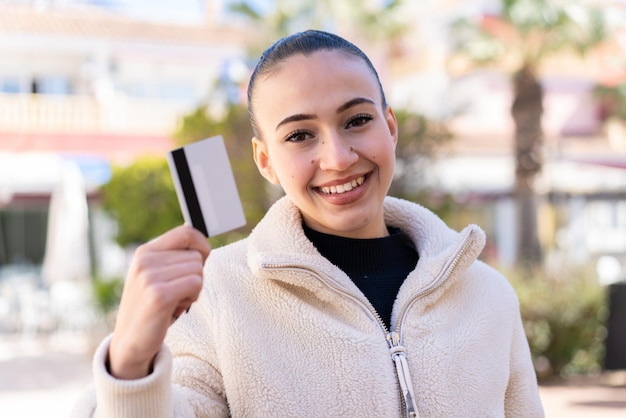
(189, 190)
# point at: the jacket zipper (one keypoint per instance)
(398, 355)
(394, 338)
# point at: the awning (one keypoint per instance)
(39, 173)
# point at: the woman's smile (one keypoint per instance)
(343, 192)
(342, 188)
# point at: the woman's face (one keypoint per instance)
(328, 141)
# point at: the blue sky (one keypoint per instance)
(166, 10)
(180, 10)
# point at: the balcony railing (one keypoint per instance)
(79, 114)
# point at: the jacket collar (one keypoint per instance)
(278, 240)
(441, 249)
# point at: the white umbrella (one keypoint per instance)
(67, 255)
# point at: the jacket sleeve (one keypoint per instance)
(185, 381)
(522, 395)
(153, 396)
(196, 374)
(150, 396)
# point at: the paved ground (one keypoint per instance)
(41, 377)
(602, 397)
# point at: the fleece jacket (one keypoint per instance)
(278, 331)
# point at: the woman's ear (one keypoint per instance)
(392, 123)
(262, 160)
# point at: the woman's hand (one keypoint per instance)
(164, 278)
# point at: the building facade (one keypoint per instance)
(90, 87)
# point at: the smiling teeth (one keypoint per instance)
(342, 188)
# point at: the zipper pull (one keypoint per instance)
(398, 355)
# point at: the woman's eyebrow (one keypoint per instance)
(295, 118)
(356, 101)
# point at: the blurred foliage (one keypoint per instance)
(142, 200)
(107, 294)
(419, 138)
(564, 318)
(612, 101)
(373, 20)
(525, 32)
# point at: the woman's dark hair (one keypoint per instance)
(304, 43)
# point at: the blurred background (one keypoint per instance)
(512, 116)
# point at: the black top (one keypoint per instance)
(378, 266)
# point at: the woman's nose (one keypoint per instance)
(336, 153)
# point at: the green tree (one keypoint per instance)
(523, 35)
(418, 140)
(142, 199)
(612, 101)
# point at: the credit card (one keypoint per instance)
(205, 186)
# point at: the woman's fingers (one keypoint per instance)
(184, 238)
(168, 265)
(164, 278)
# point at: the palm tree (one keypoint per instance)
(525, 33)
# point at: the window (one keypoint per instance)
(23, 235)
(168, 91)
(51, 85)
(605, 222)
(11, 85)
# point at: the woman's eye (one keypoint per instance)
(359, 120)
(298, 136)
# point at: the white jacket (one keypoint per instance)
(279, 331)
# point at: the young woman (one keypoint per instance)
(341, 302)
